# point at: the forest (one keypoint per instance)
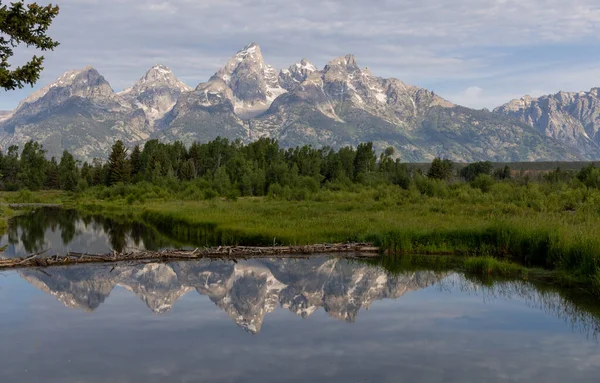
(500, 221)
(232, 169)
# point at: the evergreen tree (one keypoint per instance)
(86, 173)
(33, 164)
(27, 25)
(97, 172)
(188, 170)
(68, 173)
(471, 171)
(441, 169)
(136, 161)
(10, 167)
(118, 165)
(502, 174)
(52, 175)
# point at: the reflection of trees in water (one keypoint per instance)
(30, 229)
(579, 310)
(67, 220)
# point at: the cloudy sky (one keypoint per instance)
(478, 53)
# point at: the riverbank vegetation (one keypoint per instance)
(260, 194)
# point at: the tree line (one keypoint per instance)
(223, 165)
(226, 168)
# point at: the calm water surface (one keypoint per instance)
(272, 320)
(59, 231)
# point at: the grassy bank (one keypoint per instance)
(537, 226)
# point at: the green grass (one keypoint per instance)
(492, 266)
(552, 228)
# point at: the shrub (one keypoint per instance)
(483, 182)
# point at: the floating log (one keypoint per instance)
(221, 252)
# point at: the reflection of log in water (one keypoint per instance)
(222, 252)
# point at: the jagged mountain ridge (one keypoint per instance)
(79, 112)
(246, 291)
(156, 92)
(570, 117)
(246, 99)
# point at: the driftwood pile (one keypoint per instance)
(221, 252)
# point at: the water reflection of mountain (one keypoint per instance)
(246, 290)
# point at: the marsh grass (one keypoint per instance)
(492, 266)
(539, 226)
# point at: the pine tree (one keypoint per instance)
(119, 168)
(68, 174)
(136, 161)
(97, 172)
(188, 170)
(52, 175)
(27, 25)
(441, 169)
(10, 166)
(86, 173)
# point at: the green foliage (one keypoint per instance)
(483, 182)
(503, 174)
(488, 266)
(118, 165)
(32, 166)
(27, 25)
(441, 169)
(364, 161)
(136, 161)
(590, 176)
(471, 171)
(68, 174)
(52, 175)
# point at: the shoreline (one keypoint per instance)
(361, 250)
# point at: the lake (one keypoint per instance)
(327, 318)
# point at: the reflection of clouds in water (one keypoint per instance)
(416, 338)
(580, 312)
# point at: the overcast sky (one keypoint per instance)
(478, 53)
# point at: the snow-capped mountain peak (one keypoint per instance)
(156, 92)
(254, 84)
(296, 74)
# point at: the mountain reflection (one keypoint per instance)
(246, 290)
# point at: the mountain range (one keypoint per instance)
(246, 290)
(339, 105)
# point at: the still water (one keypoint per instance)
(274, 320)
(58, 231)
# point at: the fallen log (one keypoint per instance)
(222, 252)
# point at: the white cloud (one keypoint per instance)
(444, 45)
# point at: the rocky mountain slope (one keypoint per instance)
(79, 112)
(246, 99)
(345, 105)
(247, 291)
(156, 93)
(571, 118)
